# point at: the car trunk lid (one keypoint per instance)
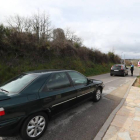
(4, 96)
(117, 68)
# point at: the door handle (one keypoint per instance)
(79, 90)
(47, 100)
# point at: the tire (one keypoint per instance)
(34, 123)
(97, 96)
(124, 74)
(111, 74)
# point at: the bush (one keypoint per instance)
(23, 51)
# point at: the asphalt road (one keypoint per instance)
(113, 82)
(85, 120)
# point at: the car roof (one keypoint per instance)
(119, 64)
(40, 72)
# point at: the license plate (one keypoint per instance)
(116, 70)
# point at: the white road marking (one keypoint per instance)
(111, 80)
(109, 90)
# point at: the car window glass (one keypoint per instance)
(57, 81)
(116, 67)
(77, 78)
(18, 83)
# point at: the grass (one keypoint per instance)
(137, 83)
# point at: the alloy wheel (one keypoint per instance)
(124, 74)
(36, 126)
(98, 94)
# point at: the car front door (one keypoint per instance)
(84, 88)
(126, 69)
(58, 93)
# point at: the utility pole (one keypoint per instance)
(124, 59)
(37, 33)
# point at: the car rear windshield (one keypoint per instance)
(116, 67)
(18, 83)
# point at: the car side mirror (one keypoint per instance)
(89, 81)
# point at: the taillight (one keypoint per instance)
(2, 112)
(121, 67)
(111, 67)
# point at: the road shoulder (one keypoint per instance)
(119, 95)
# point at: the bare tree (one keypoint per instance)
(28, 25)
(16, 22)
(58, 34)
(46, 29)
(38, 24)
(71, 36)
(42, 26)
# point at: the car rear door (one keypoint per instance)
(84, 89)
(58, 93)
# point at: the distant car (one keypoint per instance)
(28, 101)
(119, 69)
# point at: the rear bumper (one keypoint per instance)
(10, 127)
(117, 72)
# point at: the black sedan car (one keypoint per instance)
(119, 69)
(28, 101)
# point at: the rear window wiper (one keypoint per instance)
(4, 90)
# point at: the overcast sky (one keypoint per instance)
(102, 24)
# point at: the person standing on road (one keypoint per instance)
(132, 69)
